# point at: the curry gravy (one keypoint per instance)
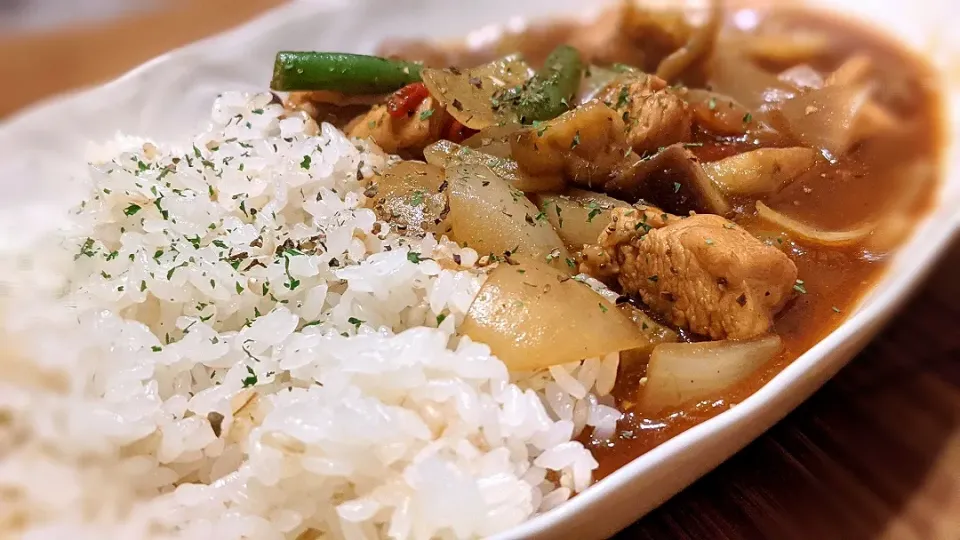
(891, 176)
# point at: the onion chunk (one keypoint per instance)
(761, 171)
(680, 373)
(578, 215)
(493, 218)
(494, 140)
(410, 196)
(810, 234)
(444, 154)
(469, 95)
(534, 317)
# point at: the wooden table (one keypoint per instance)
(873, 455)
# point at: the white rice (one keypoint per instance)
(159, 383)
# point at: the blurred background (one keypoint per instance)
(51, 46)
(26, 15)
(874, 455)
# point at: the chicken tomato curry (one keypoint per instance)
(732, 190)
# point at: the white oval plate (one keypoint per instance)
(163, 99)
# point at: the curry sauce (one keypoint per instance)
(886, 180)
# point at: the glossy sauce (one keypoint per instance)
(889, 176)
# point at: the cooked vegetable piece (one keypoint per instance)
(760, 172)
(788, 48)
(722, 115)
(457, 132)
(342, 72)
(534, 317)
(406, 134)
(447, 154)
(654, 332)
(733, 74)
(825, 118)
(493, 218)
(551, 91)
(468, 95)
(802, 76)
(853, 71)
(680, 373)
(494, 140)
(873, 118)
(896, 216)
(578, 216)
(835, 112)
(596, 79)
(585, 145)
(716, 112)
(411, 197)
(802, 232)
(699, 46)
(674, 179)
(405, 101)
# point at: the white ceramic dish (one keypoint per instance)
(164, 98)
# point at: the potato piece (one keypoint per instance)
(489, 216)
(534, 317)
(411, 196)
(585, 145)
(447, 154)
(578, 215)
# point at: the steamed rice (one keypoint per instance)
(224, 343)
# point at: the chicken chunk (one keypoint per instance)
(326, 106)
(407, 134)
(655, 116)
(703, 272)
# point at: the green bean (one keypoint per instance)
(341, 72)
(552, 89)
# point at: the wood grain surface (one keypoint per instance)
(874, 455)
